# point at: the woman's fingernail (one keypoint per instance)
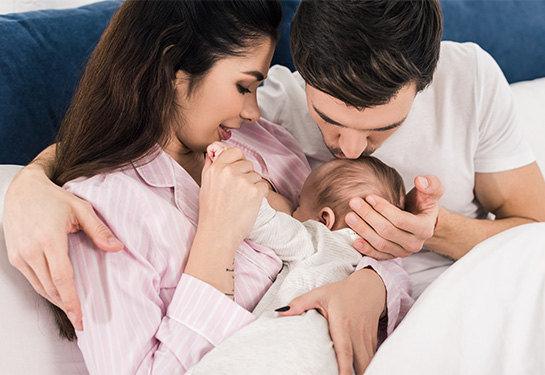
(358, 245)
(282, 309)
(351, 219)
(371, 201)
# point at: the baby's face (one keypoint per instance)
(307, 203)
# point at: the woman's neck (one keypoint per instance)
(192, 162)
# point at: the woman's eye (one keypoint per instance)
(242, 89)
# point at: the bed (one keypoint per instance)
(41, 57)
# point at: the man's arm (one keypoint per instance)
(515, 197)
(44, 161)
(38, 215)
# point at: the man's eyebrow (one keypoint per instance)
(254, 73)
(327, 119)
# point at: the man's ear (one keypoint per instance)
(327, 217)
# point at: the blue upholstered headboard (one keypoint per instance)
(42, 55)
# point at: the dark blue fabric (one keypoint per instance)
(512, 31)
(282, 53)
(42, 55)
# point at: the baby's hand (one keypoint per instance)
(215, 149)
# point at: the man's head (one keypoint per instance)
(363, 62)
(328, 189)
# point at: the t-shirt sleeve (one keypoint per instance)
(502, 143)
(279, 96)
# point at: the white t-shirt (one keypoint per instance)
(464, 122)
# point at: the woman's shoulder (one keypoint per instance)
(133, 179)
(125, 179)
(276, 156)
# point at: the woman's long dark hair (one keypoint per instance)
(125, 101)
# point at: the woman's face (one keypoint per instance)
(220, 101)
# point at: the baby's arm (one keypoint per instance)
(289, 238)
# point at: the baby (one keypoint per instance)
(315, 245)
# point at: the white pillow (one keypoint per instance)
(29, 340)
(530, 102)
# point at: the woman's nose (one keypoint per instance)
(250, 112)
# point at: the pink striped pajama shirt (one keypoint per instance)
(141, 313)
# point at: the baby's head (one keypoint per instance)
(329, 188)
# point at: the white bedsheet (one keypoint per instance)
(484, 315)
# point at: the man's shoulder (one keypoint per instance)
(462, 60)
(280, 74)
(450, 48)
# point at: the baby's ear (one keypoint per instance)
(327, 217)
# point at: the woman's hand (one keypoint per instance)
(38, 215)
(229, 200)
(231, 194)
(388, 232)
(353, 308)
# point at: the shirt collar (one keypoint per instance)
(160, 170)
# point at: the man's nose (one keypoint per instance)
(353, 143)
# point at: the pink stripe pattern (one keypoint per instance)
(141, 313)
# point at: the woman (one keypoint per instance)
(159, 88)
(167, 79)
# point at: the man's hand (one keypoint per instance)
(38, 215)
(353, 307)
(388, 232)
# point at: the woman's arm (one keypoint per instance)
(38, 215)
(128, 302)
(229, 200)
(141, 315)
(353, 308)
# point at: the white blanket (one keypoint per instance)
(484, 315)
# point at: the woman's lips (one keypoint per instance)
(225, 132)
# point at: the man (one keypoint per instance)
(373, 78)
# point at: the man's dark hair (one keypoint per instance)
(364, 51)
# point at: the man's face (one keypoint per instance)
(350, 133)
